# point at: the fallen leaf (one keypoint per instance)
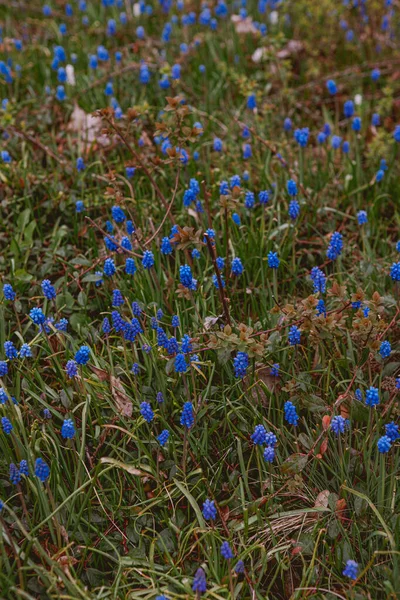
(322, 499)
(122, 401)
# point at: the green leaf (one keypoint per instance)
(295, 463)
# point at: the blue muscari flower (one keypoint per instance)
(60, 93)
(3, 368)
(175, 321)
(259, 435)
(68, 429)
(384, 444)
(321, 137)
(395, 271)
(351, 569)
(217, 145)
(294, 335)
(118, 54)
(140, 32)
(117, 321)
(319, 280)
(372, 397)
(376, 120)
(82, 355)
(25, 351)
(136, 310)
(209, 510)
(375, 74)
(269, 454)
(110, 244)
(118, 214)
(126, 243)
(130, 171)
(396, 133)
(358, 395)
(196, 155)
(42, 470)
(180, 363)
(61, 75)
(247, 151)
(10, 350)
(287, 124)
(249, 200)
(148, 259)
(379, 175)
(8, 292)
(336, 142)
(226, 551)
(273, 260)
(147, 412)
(335, 246)
(224, 188)
(93, 61)
(274, 371)
(185, 275)
(6, 425)
(239, 567)
(48, 289)
(392, 431)
(71, 369)
(130, 266)
(79, 206)
(235, 181)
(109, 227)
(144, 74)
(348, 109)
(159, 314)
(331, 87)
(236, 219)
(237, 266)
(163, 437)
(362, 217)
(186, 344)
(294, 209)
(37, 316)
(199, 584)
(117, 298)
(220, 262)
(162, 338)
(327, 129)
(216, 282)
(251, 102)
(99, 281)
(187, 416)
(15, 475)
(356, 124)
(321, 308)
(240, 364)
(173, 346)
(109, 90)
(339, 425)
(291, 415)
(23, 468)
(105, 326)
(301, 136)
(176, 71)
(3, 396)
(346, 147)
(189, 197)
(130, 229)
(246, 133)
(109, 267)
(160, 397)
(164, 82)
(263, 196)
(5, 156)
(111, 27)
(291, 187)
(385, 349)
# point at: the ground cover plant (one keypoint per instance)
(199, 302)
